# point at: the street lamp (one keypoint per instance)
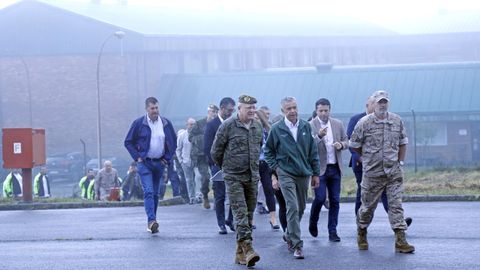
(119, 35)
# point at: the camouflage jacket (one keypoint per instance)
(195, 136)
(379, 141)
(236, 149)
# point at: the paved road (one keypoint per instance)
(446, 236)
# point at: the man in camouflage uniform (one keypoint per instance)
(236, 149)
(381, 140)
(197, 156)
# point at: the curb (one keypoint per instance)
(179, 200)
(74, 205)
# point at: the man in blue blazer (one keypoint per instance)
(151, 141)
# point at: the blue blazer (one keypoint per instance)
(138, 138)
(356, 166)
(210, 131)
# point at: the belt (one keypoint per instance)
(335, 164)
(153, 159)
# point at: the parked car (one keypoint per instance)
(68, 166)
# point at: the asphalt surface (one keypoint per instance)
(446, 236)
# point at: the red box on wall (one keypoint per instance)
(23, 147)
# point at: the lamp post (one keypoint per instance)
(415, 138)
(119, 35)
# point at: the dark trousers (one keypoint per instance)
(266, 179)
(174, 181)
(282, 209)
(330, 181)
(219, 191)
(358, 201)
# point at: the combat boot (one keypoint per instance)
(362, 238)
(206, 203)
(401, 244)
(240, 256)
(251, 257)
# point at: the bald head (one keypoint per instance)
(370, 104)
(107, 165)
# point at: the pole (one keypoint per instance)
(415, 139)
(84, 156)
(27, 185)
(118, 34)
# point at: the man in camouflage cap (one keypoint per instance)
(381, 140)
(236, 149)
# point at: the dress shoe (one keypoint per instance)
(274, 227)
(254, 227)
(230, 225)
(222, 229)
(333, 237)
(408, 220)
(152, 227)
(298, 253)
(312, 228)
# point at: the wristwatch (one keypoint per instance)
(401, 163)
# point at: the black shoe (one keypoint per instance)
(222, 230)
(333, 237)
(230, 225)
(408, 220)
(254, 227)
(312, 228)
(274, 227)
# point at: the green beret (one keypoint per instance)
(246, 99)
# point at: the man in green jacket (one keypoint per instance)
(12, 185)
(41, 184)
(291, 151)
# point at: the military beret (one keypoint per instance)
(212, 107)
(246, 99)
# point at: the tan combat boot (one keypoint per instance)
(206, 203)
(251, 257)
(362, 239)
(401, 244)
(239, 256)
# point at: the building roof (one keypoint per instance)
(156, 20)
(425, 88)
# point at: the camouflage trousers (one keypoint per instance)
(242, 193)
(372, 189)
(202, 165)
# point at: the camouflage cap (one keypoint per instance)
(379, 95)
(246, 99)
(212, 107)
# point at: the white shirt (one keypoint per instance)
(328, 140)
(293, 127)
(157, 140)
(221, 119)
(184, 147)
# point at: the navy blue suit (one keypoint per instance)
(218, 186)
(357, 165)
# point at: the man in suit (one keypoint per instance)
(331, 139)
(151, 141)
(227, 105)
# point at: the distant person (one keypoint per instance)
(41, 184)
(151, 141)
(132, 185)
(236, 150)
(291, 151)
(227, 107)
(266, 173)
(184, 148)
(196, 136)
(381, 140)
(12, 185)
(105, 181)
(170, 175)
(86, 191)
(331, 140)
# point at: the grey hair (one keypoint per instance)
(286, 100)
